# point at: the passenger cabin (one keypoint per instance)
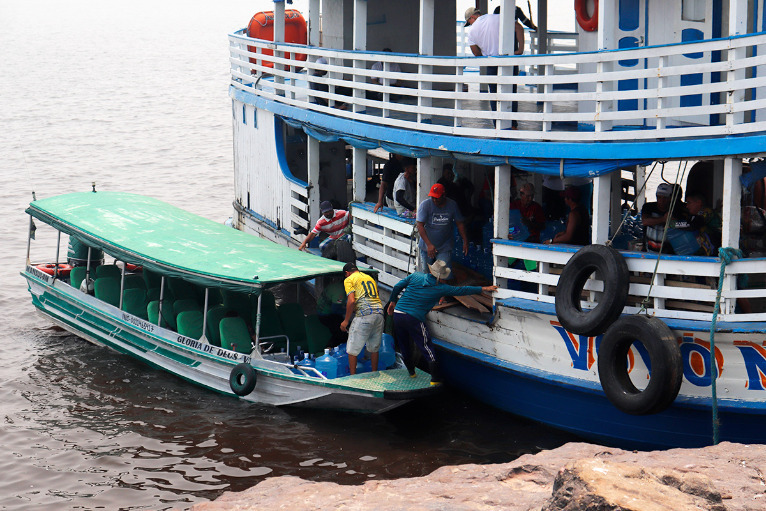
(637, 95)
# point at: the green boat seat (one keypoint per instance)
(109, 270)
(234, 335)
(190, 323)
(152, 279)
(168, 316)
(186, 305)
(317, 335)
(76, 276)
(181, 289)
(294, 322)
(239, 302)
(134, 302)
(134, 281)
(108, 290)
(214, 316)
(153, 293)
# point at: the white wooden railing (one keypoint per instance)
(432, 98)
(299, 208)
(684, 287)
(386, 241)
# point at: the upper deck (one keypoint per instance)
(700, 99)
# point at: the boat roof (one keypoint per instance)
(174, 242)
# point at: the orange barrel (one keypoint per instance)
(262, 27)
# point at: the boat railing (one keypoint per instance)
(683, 287)
(386, 240)
(701, 89)
(299, 208)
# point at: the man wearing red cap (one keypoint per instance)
(435, 220)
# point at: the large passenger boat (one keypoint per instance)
(200, 300)
(613, 340)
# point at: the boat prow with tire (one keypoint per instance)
(197, 299)
(612, 340)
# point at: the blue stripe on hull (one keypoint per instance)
(586, 412)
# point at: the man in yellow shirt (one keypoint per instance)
(363, 304)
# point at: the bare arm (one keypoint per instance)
(308, 239)
(476, 50)
(464, 235)
(381, 196)
(573, 221)
(349, 311)
(430, 248)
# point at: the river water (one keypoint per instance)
(133, 96)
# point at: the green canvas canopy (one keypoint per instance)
(166, 239)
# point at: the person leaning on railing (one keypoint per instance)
(333, 222)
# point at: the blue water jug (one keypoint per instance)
(363, 366)
(299, 353)
(327, 365)
(342, 358)
(387, 354)
(307, 362)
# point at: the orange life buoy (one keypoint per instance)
(133, 267)
(49, 268)
(587, 22)
(261, 26)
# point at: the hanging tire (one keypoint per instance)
(242, 379)
(666, 372)
(611, 267)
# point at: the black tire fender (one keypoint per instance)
(607, 263)
(242, 379)
(666, 372)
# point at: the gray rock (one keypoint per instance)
(576, 476)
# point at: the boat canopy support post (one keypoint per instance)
(122, 283)
(732, 192)
(425, 47)
(258, 324)
(602, 192)
(87, 270)
(502, 216)
(542, 26)
(204, 317)
(360, 44)
(359, 165)
(312, 155)
(58, 250)
(279, 37)
(506, 47)
(162, 296)
(314, 17)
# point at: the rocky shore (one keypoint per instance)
(576, 476)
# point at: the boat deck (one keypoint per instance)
(391, 380)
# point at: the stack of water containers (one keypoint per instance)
(479, 257)
(334, 364)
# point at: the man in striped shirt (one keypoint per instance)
(332, 222)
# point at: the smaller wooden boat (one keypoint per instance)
(193, 297)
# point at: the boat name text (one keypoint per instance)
(209, 348)
(39, 274)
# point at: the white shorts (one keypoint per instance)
(365, 330)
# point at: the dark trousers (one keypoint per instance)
(492, 71)
(409, 331)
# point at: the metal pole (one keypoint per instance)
(162, 293)
(58, 248)
(204, 314)
(87, 272)
(122, 283)
(258, 323)
(29, 238)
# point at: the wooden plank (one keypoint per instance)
(483, 299)
(442, 306)
(471, 303)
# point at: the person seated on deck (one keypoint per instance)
(404, 189)
(532, 214)
(393, 67)
(654, 216)
(705, 223)
(578, 220)
(323, 87)
(333, 222)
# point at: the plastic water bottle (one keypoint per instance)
(387, 353)
(299, 353)
(327, 365)
(306, 362)
(363, 366)
(342, 358)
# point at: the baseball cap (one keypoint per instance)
(470, 12)
(664, 190)
(437, 191)
(325, 206)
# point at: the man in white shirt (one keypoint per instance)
(484, 39)
(393, 67)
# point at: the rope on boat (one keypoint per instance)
(673, 197)
(627, 211)
(727, 255)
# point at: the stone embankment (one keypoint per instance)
(574, 477)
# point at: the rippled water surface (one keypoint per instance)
(133, 96)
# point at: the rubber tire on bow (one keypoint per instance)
(666, 372)
(242, 379)
(588, 23)
(610, 265)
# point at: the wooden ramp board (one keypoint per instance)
(471, 303)
(442, 306)
(483, 299)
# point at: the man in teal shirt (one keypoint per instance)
(419, 293)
